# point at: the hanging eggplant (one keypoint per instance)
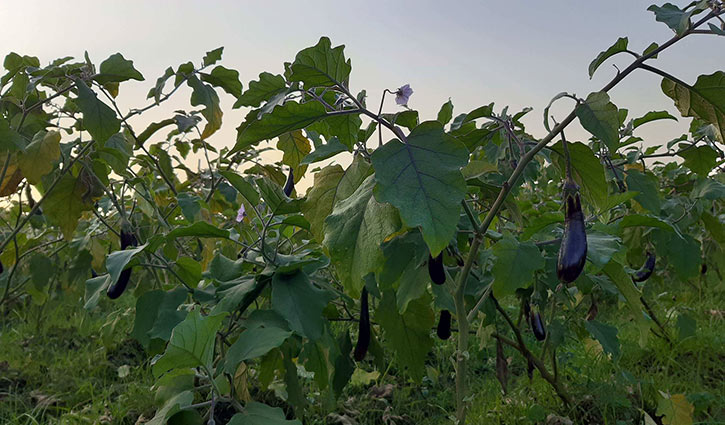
(573, 250)
(646, 270)
(435, 269)
(289, 186)
(128, 239)
(363, 337)
(537, 325)
(444, 325)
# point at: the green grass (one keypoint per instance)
(74, 357)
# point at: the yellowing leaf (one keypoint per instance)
(676, 409)
(39, 156)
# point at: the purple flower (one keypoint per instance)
(241, 213)
(403, 94)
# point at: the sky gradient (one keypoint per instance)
(516, 53)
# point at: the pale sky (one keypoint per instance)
(517, 53)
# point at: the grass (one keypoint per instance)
(61, 364)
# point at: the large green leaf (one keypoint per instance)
(606, 335)
(705, 100)
(262, 90)
(677, 19)
(515, 265)
(648, 187)
(681, 251)
(601, 247)
(422, 179)
(407, 334)
(600, 117)
(98, 118)
(296, 299)
(261, 414)
(65, 204)
(701, 159)
(587, 169)
(204, 94)
(157, 315)
(652, 116)
(345, 128)
(353, 234)
(332, 184)
(224, 78)
(631, 294)
(245, 188)
(253, 343)
(321, 65)
(322, 152)
(116, 69)
(295, 146)
(171, 407)
(619, 46)
(283, 118)
(39, 156)
(191, 343)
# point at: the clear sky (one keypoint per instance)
(517, 53)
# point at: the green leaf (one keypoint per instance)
(116, 69)
(283, 118)
(652, 116)
(321, 65)
(171, 407)
(601, 247)
(199, 229)
(203, 94)
(407, 334)
(715, 227)
(322, 152)
(600, 117)
(704, 100)
(10, 140)
(708, 189)
(213, 56)
(153, 128)
(295, 147)
(675, 409)
(191, 343)
(224, 78)
(65, 204)
(682, 252)
(606, 335)
(633, 220)
(296, 299)
(345, 128)
(253, 343)
(677, 19)
(223, 269)
(686, 326)
(515, 265)
(587, 169)
(422, 179)
(446, 113)
(40, 155)
(262, 90)
(631, 294)
(243, 187)
(648, 187)
(546, 219)
(332, 184)
(618, 47)
(344, 366)
(157, 315)
(353, 234)
(98, 118)
(701, 159)
(156, 92)
(261, 414)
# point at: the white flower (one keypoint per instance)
(403, 94)
(241, 213)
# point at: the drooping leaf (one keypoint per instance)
(601, 247)
(407, 334)
(171, 407)
(296, 299)
(588, 171)
(675, 409)
(619, 46)
(332, 184)
(39, 156)
(647, 186)
(652, 116)
(253, 343)
(600, 117)
(682, 252)
(98, 118)
(354, 231)
(203, 94)
(422, 179)
(606, 335)
(701, 159)
(65, 204)
(345, 128)
(157, 315)
(705, 100)
(515, 265)
(224, 78)
(322, 152)
(677, 19)
(295, 147)
(631, 294)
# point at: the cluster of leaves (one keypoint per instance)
(243, 290)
